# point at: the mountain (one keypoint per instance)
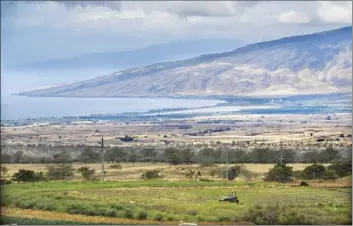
(308, 64)
(118, 60)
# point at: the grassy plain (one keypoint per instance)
(168, 202)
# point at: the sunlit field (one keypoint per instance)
(169, 201)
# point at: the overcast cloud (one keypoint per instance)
(39, 30)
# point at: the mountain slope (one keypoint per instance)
(315, 63)
(118, 60)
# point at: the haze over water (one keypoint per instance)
(21, 107)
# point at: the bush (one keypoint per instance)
(330, 175)
(141, 216)
(315, 171)
(280, 173)
(128, 214)
(341, 169)
(60, 172)
(158, 217)
(189, 174)
(117, 206)
(86, 172)
(77, 209)
(192, 212)
(235, 171)
(299, 174)
(115, 166)
(152, 174)
(110, 212)
(27, 176)
(276, 215)
(224, 219)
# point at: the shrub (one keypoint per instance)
(27, 204)
(293, 218)
(141, 216)
(45, 205)
(330, 175)
(61, 171)
(115, 166)
(276, 215)
(192, 212)
(280, 173)
(315, 171)
(110, 212)
(158, 217)
(152, 174)
(77, 209)
(189, 174)
(205, 180)
(170, 218)
(213, 172)
(224, 219)
(263, 216)
(341, 169)
(299, 174)
(117, 206)
(235, 171)
(128, 214)
(27, 176)
(86, 172)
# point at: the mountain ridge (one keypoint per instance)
(118, 60)
(306, 64)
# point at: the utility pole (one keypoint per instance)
(281, 148)
(227, 163)
(102, 146)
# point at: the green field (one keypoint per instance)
(192, 201)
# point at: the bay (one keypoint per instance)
(22, 107)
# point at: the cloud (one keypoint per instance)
(114, 5)
(335, 12)
(39, 23)
(293, 17)
(201, 9)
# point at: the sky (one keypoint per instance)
(40, 30)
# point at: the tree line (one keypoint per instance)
(184, 155)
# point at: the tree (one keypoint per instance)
(60, 172)
(116, 154)
(86, 172)
(5, 158)
(331, 154)
(173, 156)
(89, 155)
(62, 157)
(313, 157)
(150, 154)
(132, 156)
(186, 155)
(280, 172)
(17, 156)
(264, 155)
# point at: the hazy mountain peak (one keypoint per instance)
(314, 63)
